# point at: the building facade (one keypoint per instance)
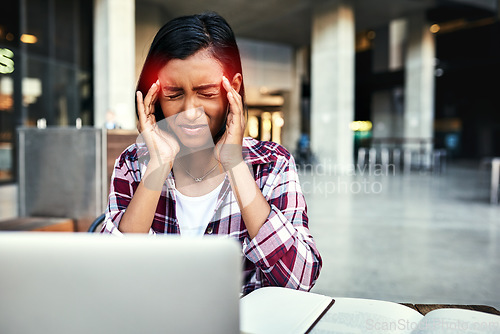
(419, 72)
(46, 69)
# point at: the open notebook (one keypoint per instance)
(279, 310)
(92, 283)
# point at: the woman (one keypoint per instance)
(202, 176)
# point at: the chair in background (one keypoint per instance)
(97, 224)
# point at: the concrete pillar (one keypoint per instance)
(332, 82)
(114, 61)
(397, 38)
(386, 105)
(292, 113)
(419, 80)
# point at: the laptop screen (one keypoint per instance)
(91, 283)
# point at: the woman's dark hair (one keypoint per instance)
(183, 37)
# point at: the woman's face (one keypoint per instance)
(185, 86)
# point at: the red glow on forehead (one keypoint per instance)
(150, 76)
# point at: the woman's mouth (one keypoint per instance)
(193, 130)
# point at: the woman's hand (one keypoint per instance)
(162, 146)
(253, 206)
(228, 149)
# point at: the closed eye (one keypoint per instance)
(209, 95)
(173, 96)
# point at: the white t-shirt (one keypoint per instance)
(194, 213)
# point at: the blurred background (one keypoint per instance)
(390, 108)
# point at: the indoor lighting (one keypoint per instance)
(278, 121)
(253, 126)
(28, 39)
(361, 126)
(434, 28)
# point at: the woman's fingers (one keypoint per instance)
(234, 99)
(145, 105)
(140, 105)
(238, 110)
(232, 93)
(150, 98)
(161, 145)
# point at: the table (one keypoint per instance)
(426, 308)
(41, 224)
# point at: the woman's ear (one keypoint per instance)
(236, 82)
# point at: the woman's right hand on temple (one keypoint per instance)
(162, 146)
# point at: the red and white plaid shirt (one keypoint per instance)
(283, 253)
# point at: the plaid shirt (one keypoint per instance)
(283, 253)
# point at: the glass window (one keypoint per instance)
(64, 36)
(86, 97)
(86, 47)
(37, 27)
(9, 42)
(6, 125)
(9, 24)
(46, 69)
(64, 93)
(35, 87)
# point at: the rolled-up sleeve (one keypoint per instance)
(124, 182)
(283, 248)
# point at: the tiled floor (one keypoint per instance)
(417, 238)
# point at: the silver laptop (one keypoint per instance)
(90, 283)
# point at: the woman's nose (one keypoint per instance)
(190, 106)
(193, 113)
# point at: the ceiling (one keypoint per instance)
(289, 21)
